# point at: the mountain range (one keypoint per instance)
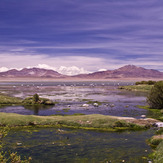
(32, 72)
(128, 71)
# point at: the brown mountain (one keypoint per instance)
(129, 71)
(32, 72)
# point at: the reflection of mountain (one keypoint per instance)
(37, 108)
(129, 71)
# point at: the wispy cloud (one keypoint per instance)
(88, 34)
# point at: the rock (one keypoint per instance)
(143, 116)
(85, 105)
(158, 124)
(95, 104)
(112, 105)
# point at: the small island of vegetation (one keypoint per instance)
(143, 86)
(34, 100)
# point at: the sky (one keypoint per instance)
(81, 36)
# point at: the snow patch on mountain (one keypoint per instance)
(73, 70)
(103, 69)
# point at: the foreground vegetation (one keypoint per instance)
(8, 156)
(155, 97)
(158, 154)
(90, 122)
(157, 143)
(155, 101)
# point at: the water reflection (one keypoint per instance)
(37, 108)
(73, 95)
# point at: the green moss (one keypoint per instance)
(94, 121)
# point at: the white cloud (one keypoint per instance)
(45, 66)
(3, 69)
(73, 70)
(72, 65)
(76, 63)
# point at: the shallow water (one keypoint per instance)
(70, 97)
(65, 145)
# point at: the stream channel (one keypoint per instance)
(68, 145)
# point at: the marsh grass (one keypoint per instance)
(158, 155)
(156, 141)
(92, 102)
(153, 113)
(91, 122)
(66, 109)
(142, 88)
(9, 156)
(7, 100)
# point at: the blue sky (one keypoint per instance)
(86, 34)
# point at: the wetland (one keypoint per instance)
(75, 144)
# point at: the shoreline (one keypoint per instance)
(75, 79)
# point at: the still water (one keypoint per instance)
(70, 98)
(72, 146)
(52, 145)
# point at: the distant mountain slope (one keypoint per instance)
(32, 72)
(128, 71)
